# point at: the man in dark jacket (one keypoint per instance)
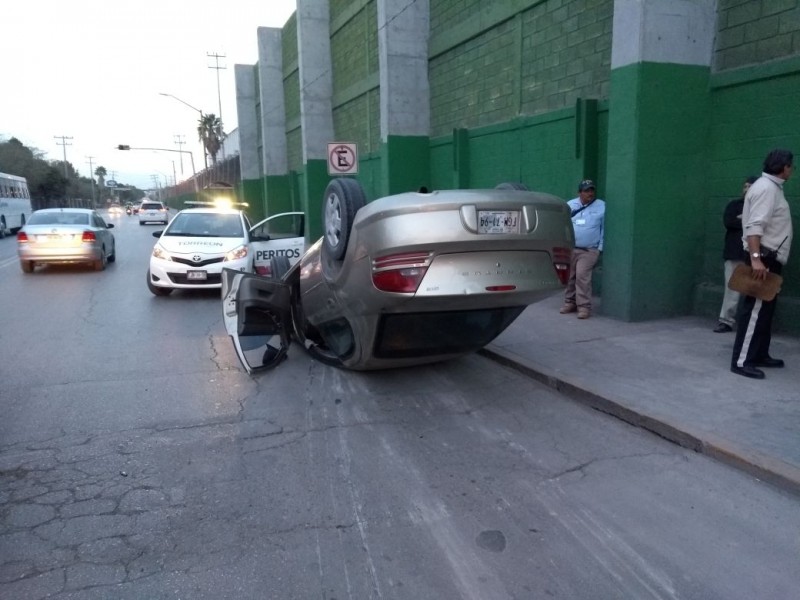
(733, 254)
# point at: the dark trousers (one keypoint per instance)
(754, 325)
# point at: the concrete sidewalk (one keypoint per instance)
(670, 376)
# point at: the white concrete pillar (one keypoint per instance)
(273, 112)
(246, 115)
(403, 31)
(316, 78)
(678, 32)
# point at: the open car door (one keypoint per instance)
(278, 235)
(257, 316)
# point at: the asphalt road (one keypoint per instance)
(138, 460)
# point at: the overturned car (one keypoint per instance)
(405, 279)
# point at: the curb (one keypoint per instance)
(759, 465)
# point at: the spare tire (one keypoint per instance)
(343, 198)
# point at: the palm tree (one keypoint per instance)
(210, 133)
(101, 174)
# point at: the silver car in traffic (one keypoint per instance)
(406, 279)
(65, 235)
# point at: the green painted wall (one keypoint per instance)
(756, 31)
(252, 192)
(755, 110)
(354, 59)
(405, 164)
(522, 90)
(493, 61)
(313, 180)
(656, 183)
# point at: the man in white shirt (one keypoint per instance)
(767, 225)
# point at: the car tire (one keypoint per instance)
(343, 198)
(100, 264)
(113, 256)
(155, 290)
(27, 266)
(512, 185)
(279, 266)
(2, 228)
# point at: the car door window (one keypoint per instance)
(280, 227)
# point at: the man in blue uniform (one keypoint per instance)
(588, 216)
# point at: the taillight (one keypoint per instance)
(22, 237)
(561, 261)
(88, 236)
(400, 272)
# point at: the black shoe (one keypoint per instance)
(769, 362)
(748, 371)
(722, 328)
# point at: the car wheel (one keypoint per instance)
(155, 290)
(113, 256)
(2, 228)
(512, 185)
(343, 198)
(100, 264)
(27, 266)
(279, 266)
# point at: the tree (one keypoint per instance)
(211, 134)
(101, 173)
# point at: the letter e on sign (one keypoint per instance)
(342, 158)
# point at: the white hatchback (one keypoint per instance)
(192, 250)
(199, 242)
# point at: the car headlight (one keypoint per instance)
(159, 252)
(236, 253)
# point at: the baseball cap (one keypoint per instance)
(586, 184)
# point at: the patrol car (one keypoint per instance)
(202, 240)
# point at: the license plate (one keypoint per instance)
(498, 221)
(196, 275)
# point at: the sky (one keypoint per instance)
(94, 71)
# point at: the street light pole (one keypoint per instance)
(205, 156)
(191, 156)
(91, 179)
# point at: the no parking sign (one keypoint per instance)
(342, 158)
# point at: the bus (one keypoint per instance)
(15, 203)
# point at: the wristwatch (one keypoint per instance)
(756, 255)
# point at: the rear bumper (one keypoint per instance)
(60, 255)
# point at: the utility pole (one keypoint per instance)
(216, 66)
(63, 143)
(91, 179)
(157, 184)
(179, 142)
